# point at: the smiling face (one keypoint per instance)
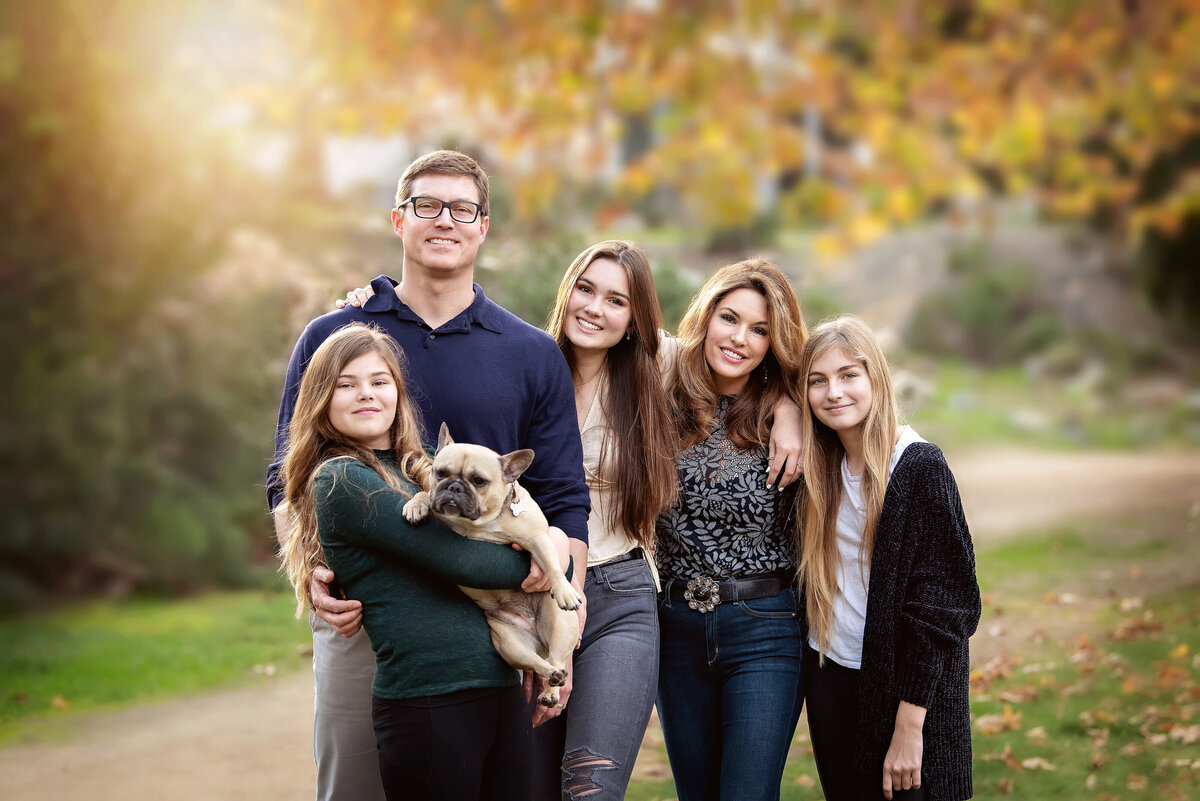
(737, 339)
(840, 392)
(363, 406)
(598, 309)
(440, 247)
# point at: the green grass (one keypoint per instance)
(1112, 713)
(107, 654)
(1087, 659)
(970, 406)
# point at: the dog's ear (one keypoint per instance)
(443, 438)
(512, 465)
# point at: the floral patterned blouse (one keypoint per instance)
(726, 522)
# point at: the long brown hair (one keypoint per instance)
(313, 441)
(692, 390)
(822, 460)
(637, 452)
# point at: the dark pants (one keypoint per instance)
(729, 695)
(832, 693)
(461, 746)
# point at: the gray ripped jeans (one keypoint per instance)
(588, 752)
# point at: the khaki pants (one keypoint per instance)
(343, 736)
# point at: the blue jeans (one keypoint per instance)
(730, 690)
(588, 751)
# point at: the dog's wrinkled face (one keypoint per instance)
(472, 481)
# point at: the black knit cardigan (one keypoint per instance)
(922, 607)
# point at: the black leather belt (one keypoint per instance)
(636, 553)
(703, 593)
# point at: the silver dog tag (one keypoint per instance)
(517, 506)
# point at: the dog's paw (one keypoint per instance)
(557, 679)
(566, 597)
(416, 509)
(549, 697)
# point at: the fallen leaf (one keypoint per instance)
(1004, 721)
(1180, 651)
(1005, 786)
(1036, 736)
(1090, 782)
(1005, 756)
(1099, 737)
(1131, 684)
(1137, 782)
(804, 780)
(1170, 676)
(1019, 695)
(1129, 604)
(1186, 735)
(1133, 749)
(1099, 759)
(1036, 763)
(58, 702)
(1137, 627)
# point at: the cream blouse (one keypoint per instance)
(605, 543)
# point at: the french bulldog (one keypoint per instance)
(476, 494)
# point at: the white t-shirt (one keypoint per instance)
(850, 600)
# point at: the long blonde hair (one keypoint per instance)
(692, 389)
(640, 436)
(822, 461)
(313, 441)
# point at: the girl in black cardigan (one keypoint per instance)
(888, 570)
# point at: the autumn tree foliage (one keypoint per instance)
(853, 118)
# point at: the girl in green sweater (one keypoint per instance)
(447, 710)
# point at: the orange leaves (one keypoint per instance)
(1007, 720)
(998, 667)
(1137, 628)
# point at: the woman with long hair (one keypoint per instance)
(729, 689)
(606, 319)
(447, 710)
(888, 571)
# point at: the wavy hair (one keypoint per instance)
(822, 461)
(638, 449)
(692, 389)
(313, 441)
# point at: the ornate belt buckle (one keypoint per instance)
(702, 594)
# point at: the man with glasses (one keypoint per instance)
(492, 378)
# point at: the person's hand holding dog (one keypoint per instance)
(532, 683)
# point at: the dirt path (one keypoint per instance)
(255, 743)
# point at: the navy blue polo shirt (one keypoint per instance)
(494, 379)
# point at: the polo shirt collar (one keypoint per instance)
(481, 312)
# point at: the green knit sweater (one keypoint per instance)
(428, 637)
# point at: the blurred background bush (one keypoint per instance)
(1004, 186)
